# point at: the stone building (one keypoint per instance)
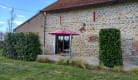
(87, 17)
(34, 24)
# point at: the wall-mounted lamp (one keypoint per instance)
(82, 29)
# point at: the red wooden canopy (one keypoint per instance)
(63, 32)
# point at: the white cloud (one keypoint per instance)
(20, 16)
(5, 7)
(1, 6)
(17, 22)
(1, 22)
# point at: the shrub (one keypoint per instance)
(43, 60)
(22, 46)
(100, 67)
(134, 71)
(76, 62)
(1, 44)
(1, 52)
(67, 62)
(110, 53)
(9, 50)
(61, 61)
(90, 67)
(79, 63)
(117, 69)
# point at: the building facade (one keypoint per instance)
(86, 17)
(35, 24)
(88, 21)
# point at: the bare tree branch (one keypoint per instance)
(11, 21)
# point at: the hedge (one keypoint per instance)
(110, 53)
(22, 46)
(1, 44)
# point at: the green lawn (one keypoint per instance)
(18, 70)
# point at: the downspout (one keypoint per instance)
(44, 14)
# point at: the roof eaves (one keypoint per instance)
(79, 6)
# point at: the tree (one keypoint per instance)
(11, 20)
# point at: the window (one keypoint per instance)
(62, 44)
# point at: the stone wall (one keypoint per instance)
(122, 16)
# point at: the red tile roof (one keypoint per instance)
(66, 4)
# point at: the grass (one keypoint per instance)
(134, 71)
(20, 70)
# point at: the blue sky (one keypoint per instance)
(23, 10)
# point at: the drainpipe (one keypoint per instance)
(44, 14)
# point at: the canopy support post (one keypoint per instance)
(70, 46)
